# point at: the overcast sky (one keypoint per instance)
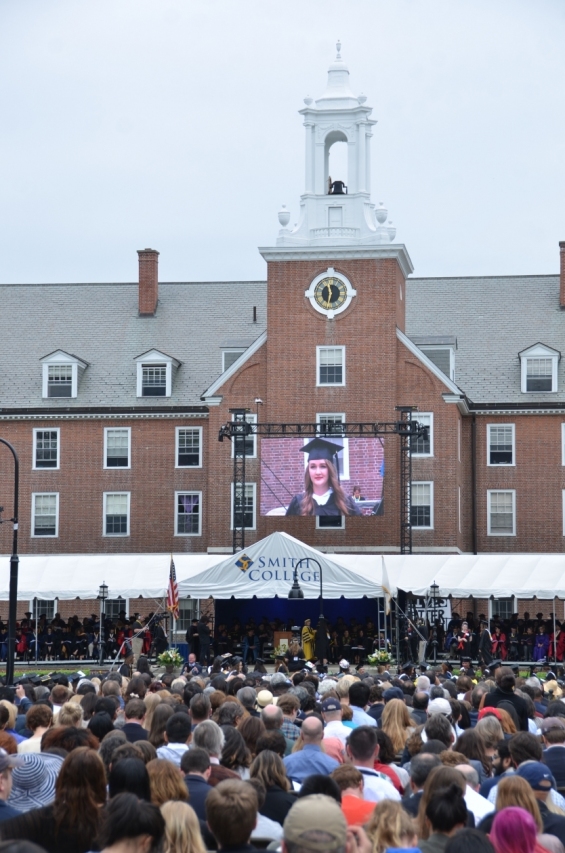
(173, 124)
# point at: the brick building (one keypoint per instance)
(113, 394)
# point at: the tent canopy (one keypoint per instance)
(483, 575)
(266, 569)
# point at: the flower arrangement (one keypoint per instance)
(280, 650)
(379, 658)
(170, 658)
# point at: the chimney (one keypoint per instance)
(148, 281)
(562, 274)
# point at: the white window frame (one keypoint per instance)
(563, 443)
(61, 359)
(344, 473)
(535, 352)
(37, 610)
(502, 464)
(563, 507)
(154, 358)
(426, 348)
(254, 488)
(177, 434)
(250, 418)
(492, 609)
(35, 495)
(340, 527)
(121, 603)
(459, 507)
(104, 514)
(429, 483)
(107, 467)
(35, 466)
(490, 493)
(319, 384)
(230, 351)
(188, 492)
(417, 417)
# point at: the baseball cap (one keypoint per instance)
(331, 704)
(316, 813)
(393, 693)
(264, 697)
(344, 664)
(439, 706)
(7, 760)
(537, 775)
(550, 723)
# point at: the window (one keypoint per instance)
(331, 365)
(332, 422)
(44, 607)
(114, 606)
(459, 508)
(188, 610)
(45, 514)
(117, 445)
(188, 514)
(500, 440)
(229, 356)
(563, 444)
(249, 506)
(337, 522)
(539, 369)
(249, 441)
(504, 608)
(154, 380)
(155, 374)
(501, 510)
(189, 447)
(45, 448)
(116, 513)
(424, 446)
(421, 505)
(62, 373)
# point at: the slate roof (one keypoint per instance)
(493, 319)
(101, 325)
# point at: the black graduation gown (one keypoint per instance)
(328, 508)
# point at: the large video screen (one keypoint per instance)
(322, 476)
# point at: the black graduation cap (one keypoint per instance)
(321, 448)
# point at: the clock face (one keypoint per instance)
(330, 293)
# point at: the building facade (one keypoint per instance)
(114, 394)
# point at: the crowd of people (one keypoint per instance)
(304, 762)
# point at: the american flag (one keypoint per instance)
(173, 592)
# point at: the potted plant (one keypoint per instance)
(379, 659)
(170, 660)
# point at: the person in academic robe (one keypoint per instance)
(485, 645)
(323, 494)
(321, 645)
(308, 637)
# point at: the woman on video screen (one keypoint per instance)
(323, 494)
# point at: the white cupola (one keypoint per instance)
(336, 209)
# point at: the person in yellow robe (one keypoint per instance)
(308, 637)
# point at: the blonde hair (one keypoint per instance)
(11, 724)
(396, 722)
(150, 700)
(515, 791)
(182, 829)
(166, 782)
(343, 685)
(70, 715)
(390, 826)
(490, 730)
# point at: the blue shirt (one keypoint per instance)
(309, 760)
(7, 812)
(360, 718)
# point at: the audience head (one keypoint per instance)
(231, 812)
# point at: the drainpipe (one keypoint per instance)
(474, 481)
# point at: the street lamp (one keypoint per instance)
(434, 589)
(102, 596)
(296, 591)
(14, 561)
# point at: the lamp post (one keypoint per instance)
(102, 596)
(14, 561)
(434, 589)
(296, 591)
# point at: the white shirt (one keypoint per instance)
(267, 828)
(336, 729)
(480, 806)
(376, 788)
(322, 500)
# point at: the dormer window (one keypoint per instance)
(62, 373)
(155, 374)
(539, 365)
(440, 350)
